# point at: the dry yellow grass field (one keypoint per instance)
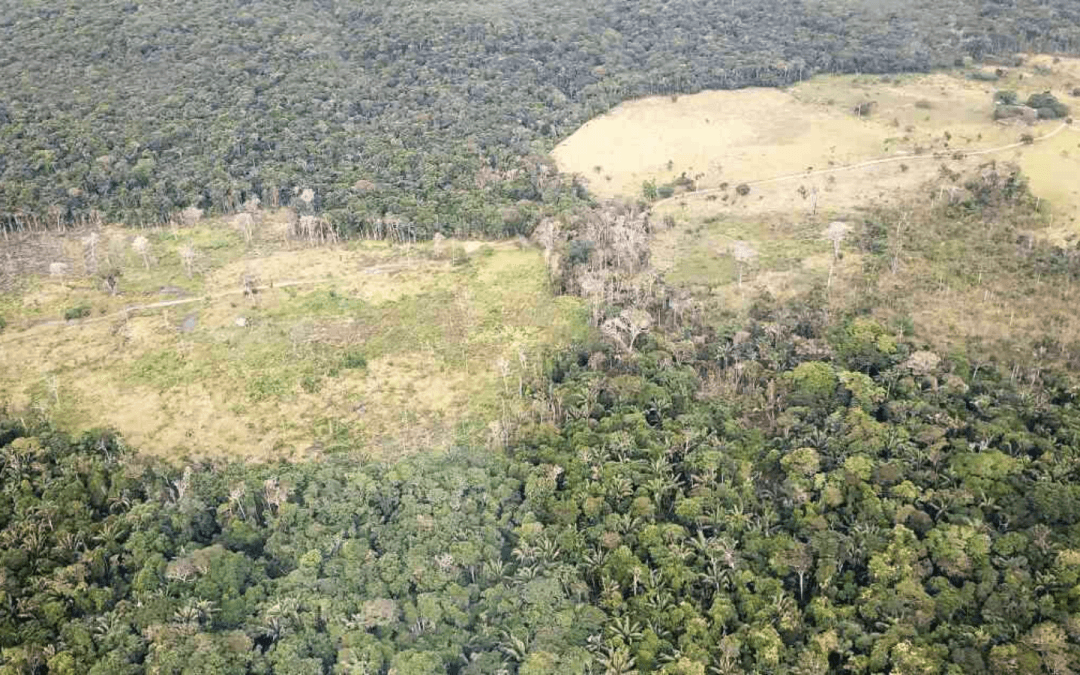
(391, 350)
(789, 144)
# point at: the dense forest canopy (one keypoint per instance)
(796, 497)
(405, 118)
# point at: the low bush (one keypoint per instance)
(77, 312)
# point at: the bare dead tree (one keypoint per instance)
(190, 216)
(90, 252)
(315, 230)
(625, 328)
(835, 232)
(250, 282)
(245, 223)
(187, 258)
(744, 254)
(141, 245)
(897, 243)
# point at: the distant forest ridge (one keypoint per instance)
(406, 119)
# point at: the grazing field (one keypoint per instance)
(273, 349)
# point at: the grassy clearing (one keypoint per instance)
(393, 350)
(731, 137)
(954, 286)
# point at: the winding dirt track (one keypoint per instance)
(863, 165)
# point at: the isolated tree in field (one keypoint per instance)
(896, 243)
(141, 245)
(246, 224)
(250, 282)
(835, 232)
(187, 258)
(625, 328)
(110, 279)
(744, 254)
(90, 249)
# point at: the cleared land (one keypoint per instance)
(810, 160)
(390, 349)
(807, 134)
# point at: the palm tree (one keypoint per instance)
(513, 648)
(624, 629)
(616, 661)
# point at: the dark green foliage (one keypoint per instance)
(77, 312)
(579, 251)
(1048, 106)
(3, 324)
(404, 118)
(354, 359)
(874, 509)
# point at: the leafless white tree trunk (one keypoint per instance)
(141, 245)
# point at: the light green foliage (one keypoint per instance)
(813, 383)
(864, 344)
(864, 392)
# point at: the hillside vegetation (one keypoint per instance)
(782, 381)
(405, 119)
(800, 497)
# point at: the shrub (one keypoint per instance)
(3, 324)
(353, 359)
(1076, 92)
(311, 383)
(1027, 139)
(866, 108)
(983, 76)
(77, 312)
(742, 190)
(923, 105)
(1048, 106)
(665, 191)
